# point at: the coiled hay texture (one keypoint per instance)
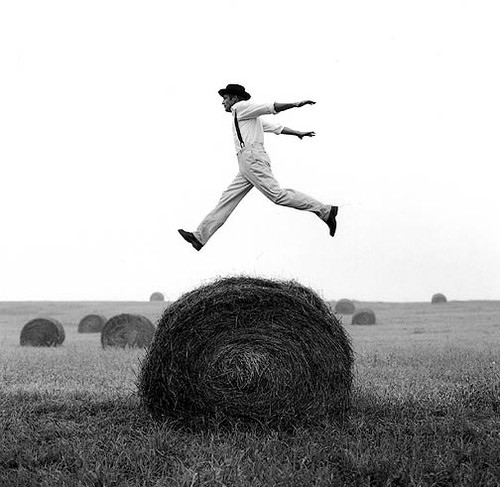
(252, 348)
(91, 323)
(42, 332)
(127, 331)
(157, 296)
(438, 298)
(364, 316)
(345, 307)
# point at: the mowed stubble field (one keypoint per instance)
(426, 409)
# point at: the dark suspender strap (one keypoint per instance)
(240, 138)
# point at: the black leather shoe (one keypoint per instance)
(331, 221)
(189, 237)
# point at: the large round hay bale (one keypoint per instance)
(344, 307)
(157, 296)
(438, 298)
(127, 331)
(252, 348)
(364, 316)
(92, 323)
(42, 332)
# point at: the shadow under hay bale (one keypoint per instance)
(127, 331)
(91, 323)
(157, 296)
(438, 298)
(344, 307)
(248, 348)
(42, 332)
(364, 316)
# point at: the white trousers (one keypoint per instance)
(255, 170)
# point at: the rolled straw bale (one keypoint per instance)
(157, 296)
(345, 307)
(42, 332)
(364, 316)
(248, 348)
(92, 323)
(438, 298)
(127, 331)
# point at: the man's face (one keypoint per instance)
(228, 101)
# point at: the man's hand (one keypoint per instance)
(305, 134)
(288, 131)
(305, 102)
(279, 107)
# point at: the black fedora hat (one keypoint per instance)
(234, 89)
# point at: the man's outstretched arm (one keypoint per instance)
(287, 131)
(279, 107)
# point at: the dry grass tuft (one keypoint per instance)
(127, 331)
(92, 323)
(249, 348)
(42, 332)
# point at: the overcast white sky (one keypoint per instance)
(113, 136)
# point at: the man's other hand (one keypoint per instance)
(305, 102)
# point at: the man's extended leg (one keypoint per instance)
(255, 166)
(229, 200)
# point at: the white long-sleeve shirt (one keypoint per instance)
(252, 127)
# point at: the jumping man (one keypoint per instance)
(254, 165)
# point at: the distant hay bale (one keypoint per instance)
(248, 348)
(91, 323)
(157, 296)
(364, 316)
(438, 298)
(345, 307)
(42, 332)
(127, 331)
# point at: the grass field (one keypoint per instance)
(426, 409)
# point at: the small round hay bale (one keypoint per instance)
(92, 323)
(127, 331)
(364, 316)
(345, 307)
(157, 296)
(248, 348)
(438, 298)
(42, 332)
